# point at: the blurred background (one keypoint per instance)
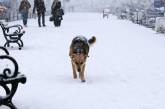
(116, 7)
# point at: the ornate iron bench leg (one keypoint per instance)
(11, 105)
(21, 42)
(19, 45)
(7, 44)
(9, 81)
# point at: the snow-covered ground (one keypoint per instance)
(125, 69)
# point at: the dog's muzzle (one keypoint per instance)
(78, 51)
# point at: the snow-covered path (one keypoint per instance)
(125, 69)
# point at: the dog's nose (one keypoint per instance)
(78, 51)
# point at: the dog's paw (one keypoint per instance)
(75, 77)
(83, 81)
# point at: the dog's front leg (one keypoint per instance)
(82, 73)
(74, 70)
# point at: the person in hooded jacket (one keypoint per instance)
(53, 6)
(57, 13)
(24, 10)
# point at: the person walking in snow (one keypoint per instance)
(57, 13)
(40, 6)
(24, 10)
(53, 6)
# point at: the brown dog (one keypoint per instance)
(79, 50)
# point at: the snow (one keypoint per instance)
(125, 69)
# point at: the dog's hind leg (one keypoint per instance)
(74, 71)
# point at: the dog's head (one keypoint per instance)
(80, 45)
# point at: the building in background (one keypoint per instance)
(12, 12)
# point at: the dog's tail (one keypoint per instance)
(92, 40)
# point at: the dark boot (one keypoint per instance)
(39, 23)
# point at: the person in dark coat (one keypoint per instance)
(53, 6)
(40, 6)
(57, 13)
(24, 10)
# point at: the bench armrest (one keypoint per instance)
(17, 28)
(19, 78)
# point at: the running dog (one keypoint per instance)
(78, 53)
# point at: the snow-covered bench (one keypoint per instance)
(106, 13)
(12, 34)
(9, 79)
(160, 25)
